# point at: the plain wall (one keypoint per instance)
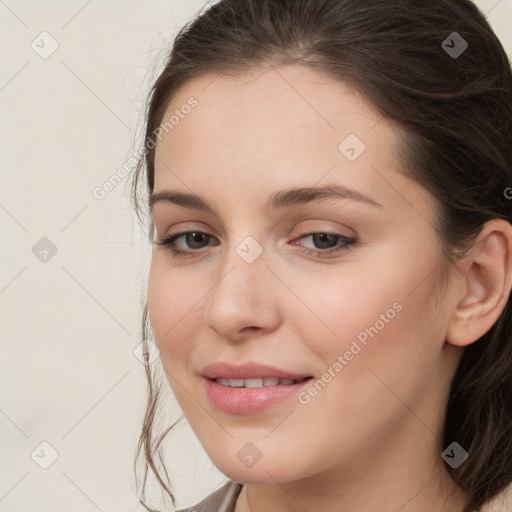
(71, 315)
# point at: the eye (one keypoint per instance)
(192, 238)
(336, 243)
(329, 243)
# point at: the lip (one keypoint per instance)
(247, 371)
(247, 401)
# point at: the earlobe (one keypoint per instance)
(487, 284)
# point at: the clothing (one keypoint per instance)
(222, 500)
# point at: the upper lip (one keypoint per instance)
(247, 371)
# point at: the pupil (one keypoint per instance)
(319, 238)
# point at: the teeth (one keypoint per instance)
(252, 383)
(256, 382)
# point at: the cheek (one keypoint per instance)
(382, 358)
(171, 307)
(381, 319)
(395, 361)
(358, 304)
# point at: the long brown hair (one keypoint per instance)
(456, 111)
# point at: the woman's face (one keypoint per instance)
(336, 286)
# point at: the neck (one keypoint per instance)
(404, 479)
(258, 498)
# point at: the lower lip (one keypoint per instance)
(249, 400)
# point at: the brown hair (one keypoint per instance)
(456, 112)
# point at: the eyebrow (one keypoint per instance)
(281, 199)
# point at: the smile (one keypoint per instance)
(253, 395)
(257, 382)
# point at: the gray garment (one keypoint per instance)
(222, 500)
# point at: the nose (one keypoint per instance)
(243, 302)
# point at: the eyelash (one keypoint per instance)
(348, 242)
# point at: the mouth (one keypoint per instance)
(250, 371)
(253, 395)
(250, 387)
(258, 382)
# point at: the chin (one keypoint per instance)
(266, 471)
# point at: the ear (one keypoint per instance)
(486, 284)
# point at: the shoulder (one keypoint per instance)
(222, 500)
(501, 503)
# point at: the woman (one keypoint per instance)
(332, 263)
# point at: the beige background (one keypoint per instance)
(69, 325)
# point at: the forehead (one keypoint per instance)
(288, 102)
(275, 127)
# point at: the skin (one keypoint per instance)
(371, 439)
